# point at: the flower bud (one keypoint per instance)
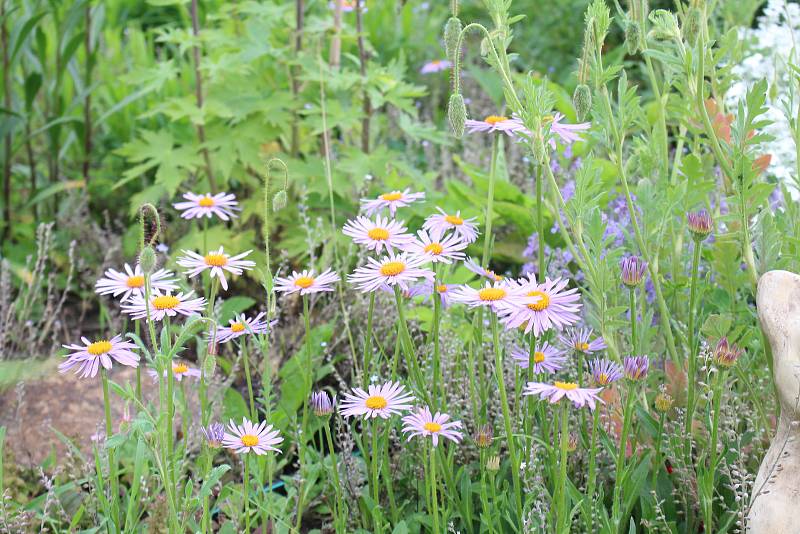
(484, 436)
(493, 463)
(209, 366)
(451, 32)
(279, 200)
(726, 354)
(457, 114)
(700, 224)
(633, 269)
(691, 25)
(582, 100)
(633, 33)
(147, 259)
(321, 403)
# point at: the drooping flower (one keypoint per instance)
(321, 403)
(473, 266)
(378, 235)
(726, 354)
(632, 270)
(385, 400)
(392, 270)
(580, 397)
(496, 123)
(218, 261)
(553, 307)
(222, 205)
(498, 296)
(566, 132)
(391, 200)
(636, 367)
(423, 423)
(241, 325)
(604, 372)
(179, 371)
(131, 282)
(165, 304)
(306, 282)
(439, 223)
(436, 65)
(443, 249)
(580, 340)
(546, 358)
(249, 437)
(91, 355)
(214, 434)
(700, 224)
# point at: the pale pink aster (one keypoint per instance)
(392, 270)
(408, 293)
(496, 123)
(385, 400)
(635, 367)
(391, 200)
(604, 372)
(306, 282)
(196, 206)
(423, 423)
(499, 296)
(348, 5)
(249, 437)
(568, 133)
(218, 262)
(580, 340)
(554, 307)
(241, 325)
(380, 234)
(546, 358)
(554, 392)
(435, 65)
(443, 291)
(91, 355)
(179, 371)
(131, 282)
(444, 249)
(473, 266)
(164, 305)
(439, 223)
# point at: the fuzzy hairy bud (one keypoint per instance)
(582, 100)
(279, 200)
(633, 34)
(457, 114)
(691, 25)
(147, 259)
(451, 32)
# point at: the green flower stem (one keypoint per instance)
(112, 464)
(337, 487)
(562, 511)
(632, 300)
(246, 494)
(501, 386)
(530, 404)
(246, 362)
(657, 457)
(540, 222)
(368, 341)
(487, 239)
(592, 482)
(205, 522)
(307, 383)
(437, 369)
(434, 493)
(623, 442)
(408, 348)
(374, 464)
(138, 330)
(692, 363)
(717, 403)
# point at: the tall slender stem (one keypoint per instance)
(487, 239)
(437, 369)
(374, 464)
(632, 300)
(198, 93)
(337, 486)
(307, 383)
(246, 361)
(563, 511)
(112, 464)
(246, 494)
(540, 222)
(434, 493)
(368, 340)
(692, 363)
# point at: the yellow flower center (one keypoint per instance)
(496, 277)
(602, 379)
(99, 347)
(393, 268)
(135, 281)
(442, 288)
(180, 368)
(542, 303)
(391, 196)
(376, 402)
(206, 202)
(538, 357)
(582, 346)
(454, 220)
(216, 260)
(237, 327)
(249, 440)
(304, 282)
(378, 234)
(165, 302)
(566, 386)
(491, 293)
(494, 119)
(434, 248)
(432, 427)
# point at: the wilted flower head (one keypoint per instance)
(493, 463)
(700, 224)
(636, 367)
(321, 403)
(484, 436)
(214, 434)
(726, 354)
(572, 442)
(633, 269)
(663, 401)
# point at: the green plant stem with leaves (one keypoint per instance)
(307, 383)
(112, 463)
(623, 446)
(431, 482)
(692, 357)
(562, 510)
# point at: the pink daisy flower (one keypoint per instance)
(91, 355)
(444, 249)
(499, 296)
(495, 123)
(179, 370)
(554, 307)
(546, 359)
(409, 293)
(436, 65)
(249, 437)
(164, 305)
(378, 235)
(443, 291)
(439, 223)
(196, 206)
(423, 423)
(568, 133)
(306, 282)
(131, 282)
(580, 397)
(382, 401)
(579, 340)
(473, 266)
(218, 262)
(391, 200)
(392, 270)
(241, 325)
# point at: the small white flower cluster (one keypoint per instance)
(771, 49)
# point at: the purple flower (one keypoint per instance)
(700, 224)
(604, 371)
(636, 367)
(633, 269)
(214, 434)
